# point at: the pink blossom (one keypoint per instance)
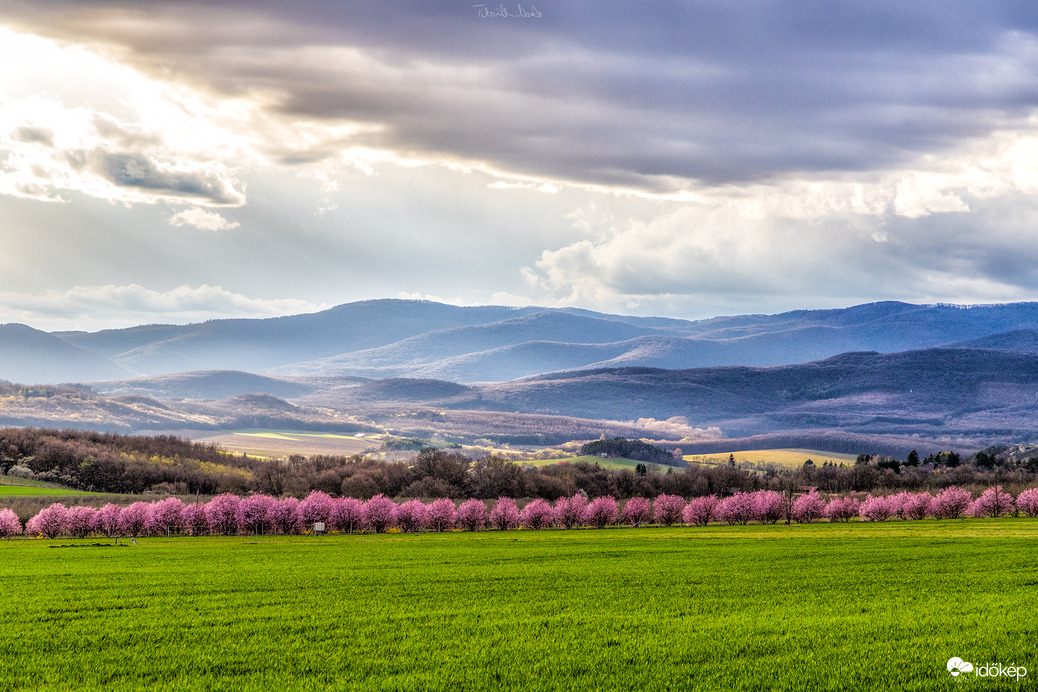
(700, 510)
(915, 506)
(505, 514)
(49, 522)
(951, 504)
(410, 516)
(877, 509)
(571, 511)
(347, 515)
(735, 509)
(10, 524)
(1027, 502)
(768, 506)
(603, 511)
(379, 513)
(993, 502)
(315, 508)
(807, 508)
(134, 520)
(224, 514)
(636, 510)
(472, 515)
(195, 519)
(167, 516)
(537, 514)
(441, 514)
(255, 513)
(841, 509)
(284, 516)
(109, 520)
(81, 521)
(666, 510)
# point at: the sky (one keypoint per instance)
(176, 161)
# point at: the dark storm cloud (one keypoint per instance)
(140, 172)
(607, 92)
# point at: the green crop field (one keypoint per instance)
(21, 487)
(606, 463)
(817, 607)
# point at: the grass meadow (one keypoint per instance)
(790, 458)
(814, 607)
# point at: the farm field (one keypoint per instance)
(792, 458)
(812, 607)
(24, 487)
(607, 463)
(282, 443)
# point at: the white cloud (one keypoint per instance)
(202, 219)
(99, 307)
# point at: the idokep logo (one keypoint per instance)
(957, 667)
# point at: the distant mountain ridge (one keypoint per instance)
(423, 339)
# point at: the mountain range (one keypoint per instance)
(904, 376)
(422, 339)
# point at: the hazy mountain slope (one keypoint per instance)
(422, 339)
(407, 356)
(218, 384)
(933, 392)
(262, 344)
(1022, 340)
(30, 356)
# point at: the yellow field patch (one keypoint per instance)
(791, 458)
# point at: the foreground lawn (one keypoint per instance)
(820, 607)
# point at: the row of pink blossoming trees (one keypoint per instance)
(260, 514)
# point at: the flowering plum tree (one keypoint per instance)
(505, 514)
(316, 507)
(109, 520)
(808, 507)
(636, 511)
(284, 516)
(224, 514)
(700, 510)
(410, 516)
(571, 511)
(80, 522)
(255, 513)
(877, 508)
(602, 511)
(951, 504)
(379, 513)
(440, 515)
(472, 515)
(666, 510)
(166, 517)
(195, 519)
(1027, 502)
(49, 522)
(841, 509)
(915, 506)
(134, 520)
(537, 514)
(768, 506)
(735, 509)
(10, 525)
(348, 514)
(993, 502)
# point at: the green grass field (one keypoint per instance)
(818, 607)
(790, 458)
(24, 487)
(629, 464)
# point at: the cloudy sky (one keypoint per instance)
(174, 161)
